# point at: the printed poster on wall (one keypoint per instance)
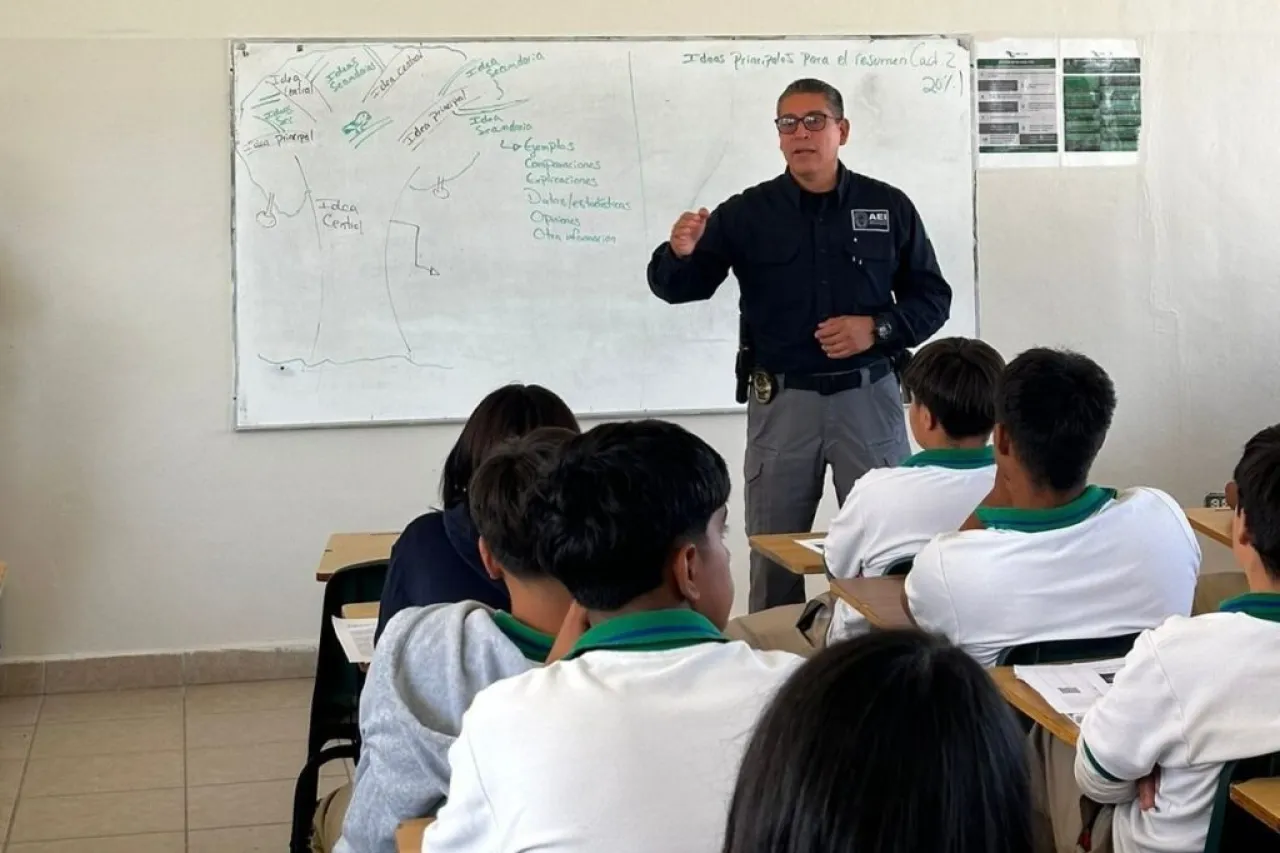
(1017, 93)
(1101, 102)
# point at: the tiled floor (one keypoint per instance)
(178, 770)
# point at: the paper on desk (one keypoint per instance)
(356, 637)
(1071, 688)
(817, 546)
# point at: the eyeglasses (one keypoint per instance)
(813, 122)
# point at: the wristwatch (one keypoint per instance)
(883, 328)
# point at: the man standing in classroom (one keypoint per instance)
(837, 278)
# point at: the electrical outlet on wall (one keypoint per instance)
(1216, 500)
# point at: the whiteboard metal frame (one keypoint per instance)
(243, 45)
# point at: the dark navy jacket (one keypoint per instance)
(860, 250)
(436, 560)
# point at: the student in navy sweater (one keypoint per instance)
(436, 560)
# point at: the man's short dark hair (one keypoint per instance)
(618, 501)
(813, 86)
(1056, 407)
(956, 380)
(1257, 479)
(499, 493)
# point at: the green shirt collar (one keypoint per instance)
(1260, 605)
(1039, 520)
(960, 458)
(652, 631)
(532, 643)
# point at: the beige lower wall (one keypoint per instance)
(171, 669)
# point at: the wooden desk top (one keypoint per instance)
(409, 835)
(783, 550)
(1260, 798)
(878, 599)
(1020, 695)
(349, 549)
(1213, 523)
(363, 610)
(353, 549)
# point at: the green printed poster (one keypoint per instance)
(1017, 98)
(1101, 102)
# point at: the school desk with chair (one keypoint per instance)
(788, 551)
(881, 600)
(344, 550)
(1024, 698)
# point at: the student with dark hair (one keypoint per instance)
(436, 560)
(1194, 693)
(891, 513)
(893, 742)
(631, 742)
(432, 661)
(1047, 556)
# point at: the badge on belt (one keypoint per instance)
(764, 386)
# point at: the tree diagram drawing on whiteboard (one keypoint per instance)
(353, 220)
(416, 224)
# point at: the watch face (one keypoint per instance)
(884, 329)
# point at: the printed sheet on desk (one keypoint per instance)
(817, 546)
(356, 637)
(1072, 688)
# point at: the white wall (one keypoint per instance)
(133, 518)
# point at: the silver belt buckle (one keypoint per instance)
(764, 386)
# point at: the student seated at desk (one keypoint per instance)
(1194, 693)
(1048, 556)
(432, 661)
(631, 743)
(436, 560)
(894, 742)
(892, 513)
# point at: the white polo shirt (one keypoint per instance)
(891, 513)
(629, 745)
(1104, 565)
(1193, 695)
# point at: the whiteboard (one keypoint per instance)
(416, 224)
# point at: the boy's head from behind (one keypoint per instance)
(498, 496)
(634, 513)
(1255, 533)
(952, 383)
(1053, 410)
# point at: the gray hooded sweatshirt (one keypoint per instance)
(428, 665)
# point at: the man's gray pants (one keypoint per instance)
(790, 442)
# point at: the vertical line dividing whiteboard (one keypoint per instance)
(418, 222)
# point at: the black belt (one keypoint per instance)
(827, 384)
